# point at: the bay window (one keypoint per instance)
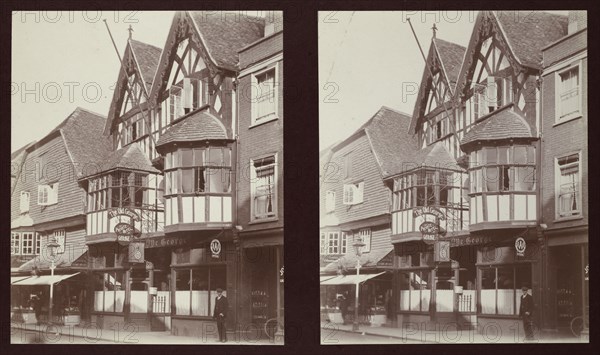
(425, 187)
(15, 244)
(500, 169)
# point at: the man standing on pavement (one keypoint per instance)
(219, 313)
(526, 311)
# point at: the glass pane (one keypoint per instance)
(502, 155)
(186, 157)
(216, 181)
(488, 291)
(520, 156)
(491, 178)
(531, 155)
(226, 157)
(200, 292)
(187, 180)
(215, 156)
(490, 155)
(199, 180)
(404, 294)
(198, 157)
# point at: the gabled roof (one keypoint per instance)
(82, 132)
(500, 124)
(529, 31)
(147, 57)
(130, 157)
(199, 126)
(390, 140)
(451, 56)
(224, 35)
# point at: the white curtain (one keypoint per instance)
(444, 300)
(182, 302)
(488, 301)
(506, 301)
(404, 299)
(119, 300)
(99, 301)
(200, 303)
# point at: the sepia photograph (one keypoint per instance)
(453, 177)
(147, 177)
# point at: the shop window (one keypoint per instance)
(109, 291)
(501, 288)
(264, 188)
(195, 289)
(568, 186)
(415, 290)
(264, 96)
(329, 201)
(568, 94)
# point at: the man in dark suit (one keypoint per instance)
(526, 311)
(219, 313)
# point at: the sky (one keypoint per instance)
(371, 59)
(65, 59)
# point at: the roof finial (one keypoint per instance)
(130, 29)
(434, 28)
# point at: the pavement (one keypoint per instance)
(81, 334)
(332, 333)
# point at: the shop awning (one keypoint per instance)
(43, 280)
(377, 258)
(14, 279)
(70, 258)
(350, 279)
(324, 278)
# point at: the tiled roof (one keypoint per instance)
(436, 155)
(451, 55)
(199, 126)
(147, 57)
(501, 124)
(390, 140)
(83, 135)
(224, 34)
(129, 157)
(529, 31)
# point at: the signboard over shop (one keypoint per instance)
(160, 242)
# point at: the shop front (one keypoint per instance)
(261, 311)
(476, 286)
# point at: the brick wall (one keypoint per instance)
(565, 48)
(562, 139)
(264, 49)
(260, 140)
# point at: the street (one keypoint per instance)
(337, 337)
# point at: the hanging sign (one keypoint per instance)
(520, 246)
(215, 248)
(123, 211)
(430, 230)
(441, 251)
(136, 252)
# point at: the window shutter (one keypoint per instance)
(358, 195)
(24, 201)
(53, 194)
(187, 93)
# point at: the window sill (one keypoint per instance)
(262, 120)
(567, 219)
(567, 119)
(263, 220)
